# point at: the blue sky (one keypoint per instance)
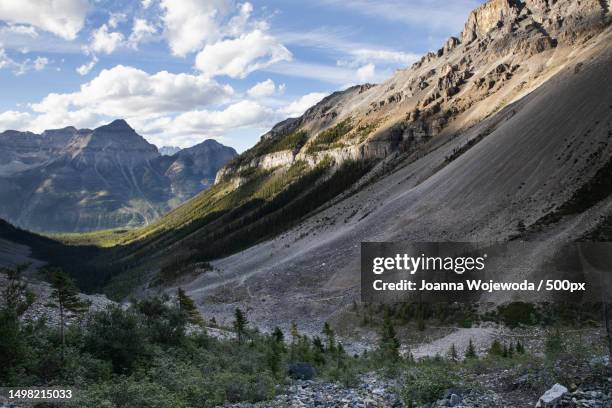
(181, 71)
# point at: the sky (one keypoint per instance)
(181, 71)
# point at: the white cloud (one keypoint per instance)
(142, 30)
(64, 18)
(18, 68)
(263, 89)
(104, 41)
(193, 126)
(126, 91)
(238, 23)
(85, 68)
(189, 24)
(115, 19)
(362, 55)
(14, 120)
(18, 29)
(5, 60)
(300, 105)
(146, 3)
(239, 57)
(366, 73)
(40, 63)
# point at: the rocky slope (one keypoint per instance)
(508, 125)
(70, 180)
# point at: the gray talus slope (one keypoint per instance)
(526, 161)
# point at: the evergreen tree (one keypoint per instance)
(520, 349)
(421, 317)
(295, 337)
(274, 354)
(318, 350)
(470, 352)
(340, 349)
(318, 344)
(15, 299)
(278, 335)
(389, 344)
(188, 306)
(496, 349)
(240, 324)
(452, 353)
(66, 295)
(330, 338)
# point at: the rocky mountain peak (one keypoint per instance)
(493, 14)
(116, 125)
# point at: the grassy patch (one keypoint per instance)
(330, 137)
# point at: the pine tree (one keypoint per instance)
(15, 300)
(510, 350)
(452, 353)
(295, 337)
(421, 317)
(329, 336)
(274, 353)
(188, 306)
(496, 349)
(277, 335)
(520, 349)
(470, 352)
(389, 344)
(240, 324)
(66, 295)
(318, 350)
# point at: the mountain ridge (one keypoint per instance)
(103, 178)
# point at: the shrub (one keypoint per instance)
(553, 345)
(427, 383)
(118, 336)
(127, 392)
(517, 313)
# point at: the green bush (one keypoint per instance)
(427, 382)
(517, 313)
(127, 392)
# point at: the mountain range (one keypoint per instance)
(504, 133)
(72, 180)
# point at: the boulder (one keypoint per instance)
(550, 397)
(302, 371)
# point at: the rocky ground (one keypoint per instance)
(371, 392)
(495, 391)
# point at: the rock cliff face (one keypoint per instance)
(69, 180)
(507, 49)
